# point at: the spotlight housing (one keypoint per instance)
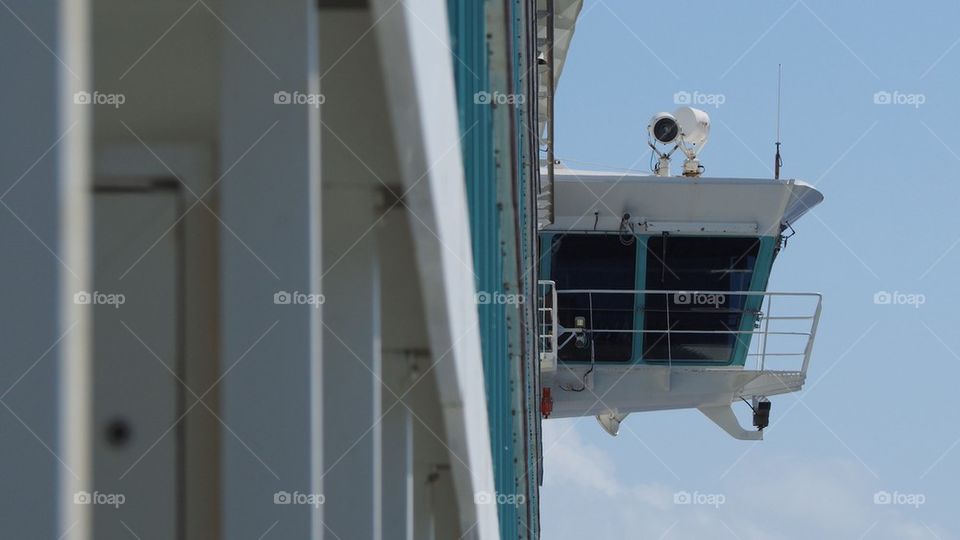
(664, 128)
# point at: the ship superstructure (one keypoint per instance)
(312, 269)
(654, 296)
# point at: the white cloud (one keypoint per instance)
(576, 464)
(587, 494)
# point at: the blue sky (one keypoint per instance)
(879, 411)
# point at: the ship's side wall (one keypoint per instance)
(495, 67)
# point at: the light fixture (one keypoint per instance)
(761, 413)
(688, 130)
(579, 325)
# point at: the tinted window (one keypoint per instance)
(696, 264)
(596, 261)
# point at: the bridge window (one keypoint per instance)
(596, 261)
(697, 264)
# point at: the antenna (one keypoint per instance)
(778, 161)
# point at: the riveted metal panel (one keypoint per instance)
(500, 159)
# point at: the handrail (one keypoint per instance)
(765, 322)
(731, 332)
(548, 331)
(690, 291)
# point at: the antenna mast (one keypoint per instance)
(777, 160)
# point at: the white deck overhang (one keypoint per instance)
(589, 200)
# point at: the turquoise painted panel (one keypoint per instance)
(761, 276)
(502, 205)
(471, 70)
(546, 255)
(639, 300)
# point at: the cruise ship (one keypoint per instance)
(312, 269)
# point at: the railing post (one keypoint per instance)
(593, 349)
(554, 313)
(766, 330)
(813, 334)
(666, 302)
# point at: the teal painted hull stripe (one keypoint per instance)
(512, 403)
(471, 70)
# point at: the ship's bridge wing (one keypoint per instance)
(654, 296)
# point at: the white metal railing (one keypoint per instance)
(547, 324)
(802, 307)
